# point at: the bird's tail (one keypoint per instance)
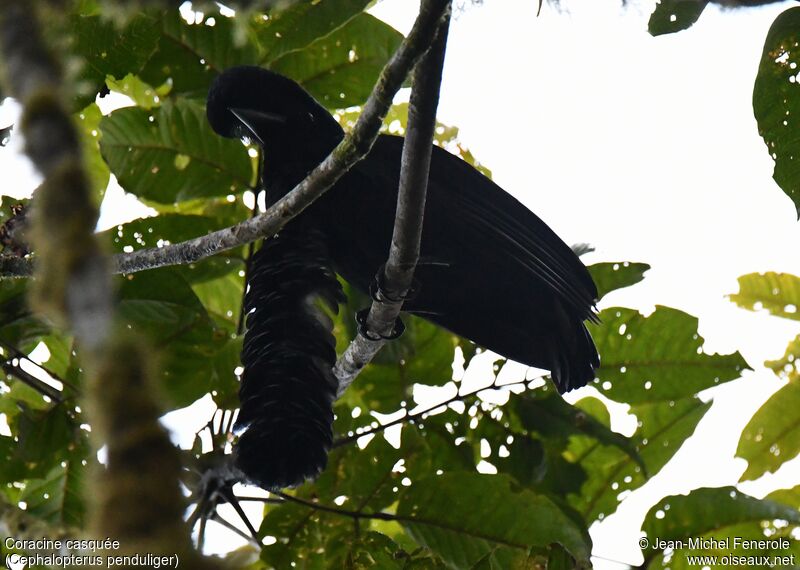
(288, 388)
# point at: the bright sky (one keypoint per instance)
(647, 149)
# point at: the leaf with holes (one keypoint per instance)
(612, 474)
(670, 16)
(464, 516)
(772, 436)
(341, 69)
(610, 276)
(304, 535)
(657, 358)
(778, 293)
(776, 101)
(173, 157)
(545, 412)
(366, 477)
(724, 514)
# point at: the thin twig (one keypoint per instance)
(336, 510)
(410, 418)
(397, 277)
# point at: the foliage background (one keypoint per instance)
(561, 462)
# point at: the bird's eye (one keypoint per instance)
(311, 117)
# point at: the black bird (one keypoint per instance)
(493, 272)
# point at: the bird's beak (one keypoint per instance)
(252, 120)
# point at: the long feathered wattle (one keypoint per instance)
(288, 387)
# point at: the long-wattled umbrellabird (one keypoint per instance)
(494, 272)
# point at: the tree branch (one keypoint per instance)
(395, 282)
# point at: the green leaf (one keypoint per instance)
(190, 55)
(547, 413)
(789, 497)
(372, 550)
(161, 306)
(464, 516)
(300, 24)
(89, 131)
(778, 293)
(341, 69)
(772, 436)
(44, 439)
(364, 476)
(776, 103)
(224, 384)
(672, 16)
(173, 157)
(305, 536)
(142, 94)
(724, 514)
(58, 497)
(107, 50)
(612, 474)
(222, 298)
(610, 276)
(789, 366)
(656, 358)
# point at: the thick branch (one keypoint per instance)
(398, 274)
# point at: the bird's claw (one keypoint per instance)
(361, 318)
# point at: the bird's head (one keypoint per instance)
(271, 110)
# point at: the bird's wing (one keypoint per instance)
(486, 212)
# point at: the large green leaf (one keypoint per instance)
(162, 307)
(304, 536)
(778, 293)
(772, 436)
(294, 28)
(190, 55)
(45, 438)
(656, 358)
(546, 412)
(670, 16)
(171, 154)
(612, 474)
(364, 477)
(724, 514)
(464, 516)
(776, 101)
(58, 498)
(610, 276)
(107, 50)
(341, 69)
